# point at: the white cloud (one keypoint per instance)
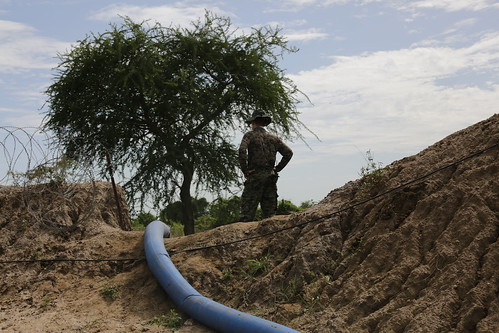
(22, 48)
(389, 98)
(304, 35)
(455, 5)
(20, 117)
(9, 27)
(447, 5)
(176, 14)
(294, 32)
(466, 22)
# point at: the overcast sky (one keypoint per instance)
(390, 76)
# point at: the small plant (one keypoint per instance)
(110, 292)
(313, 303)
(172, 320)
(46, 301)
(357, 244)
(289, 290)
(255, 267)
(372, 176)
(227, 274)
(25, 224)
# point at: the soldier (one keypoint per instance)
(257, 158)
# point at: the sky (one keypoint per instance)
(387, 76)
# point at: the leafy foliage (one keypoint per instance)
(165, 103)
(225, 211)
(307, 204)
(173, 211)
(143, 219)
(54, 172)
(286, 207)
(255, 267)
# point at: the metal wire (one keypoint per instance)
(37, 167)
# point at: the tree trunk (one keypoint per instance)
(186, 199)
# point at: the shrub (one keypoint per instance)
(372, 177)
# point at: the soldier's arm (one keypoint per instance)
(286, 153)
(243, 153)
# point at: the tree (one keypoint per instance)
(307, 204)
(144, 218)
(166, 102)
(286, 207)
(173, 211)
(225, 211)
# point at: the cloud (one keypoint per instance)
(466, 22)
(396, 99)
(294, 30)
(455, 5)
(20, 117)
(22, 48)
(447, 5)
(177, 14)
(304, 35)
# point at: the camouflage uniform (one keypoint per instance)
(257, 157)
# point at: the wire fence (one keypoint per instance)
(46, 182)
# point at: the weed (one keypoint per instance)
(25, 225)
(172, 320)
(313, 304)
(289, 291)
(227, 274)
(37, 255)
(255, 267)
(372, 176)
(46, 301)
(357, 244)
(110, 292)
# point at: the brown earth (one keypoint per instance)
(423, 258)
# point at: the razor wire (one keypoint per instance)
(33, 165)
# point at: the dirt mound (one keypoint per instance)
(422, 258)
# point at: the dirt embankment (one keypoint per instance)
(423, 258)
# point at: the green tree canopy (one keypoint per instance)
(144, 218)
(165, 103)
(286, 207)
(173, 211)
(225, 211)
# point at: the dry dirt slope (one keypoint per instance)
(424, 258)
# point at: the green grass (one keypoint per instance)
(110, 292)
(172, 320)
(255, 267)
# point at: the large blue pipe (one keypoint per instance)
(211, 314)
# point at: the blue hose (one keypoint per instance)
(212, 314)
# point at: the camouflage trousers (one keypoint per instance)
(259, 188)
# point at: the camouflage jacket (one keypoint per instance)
(258, 151)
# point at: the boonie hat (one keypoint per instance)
(259, 115)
